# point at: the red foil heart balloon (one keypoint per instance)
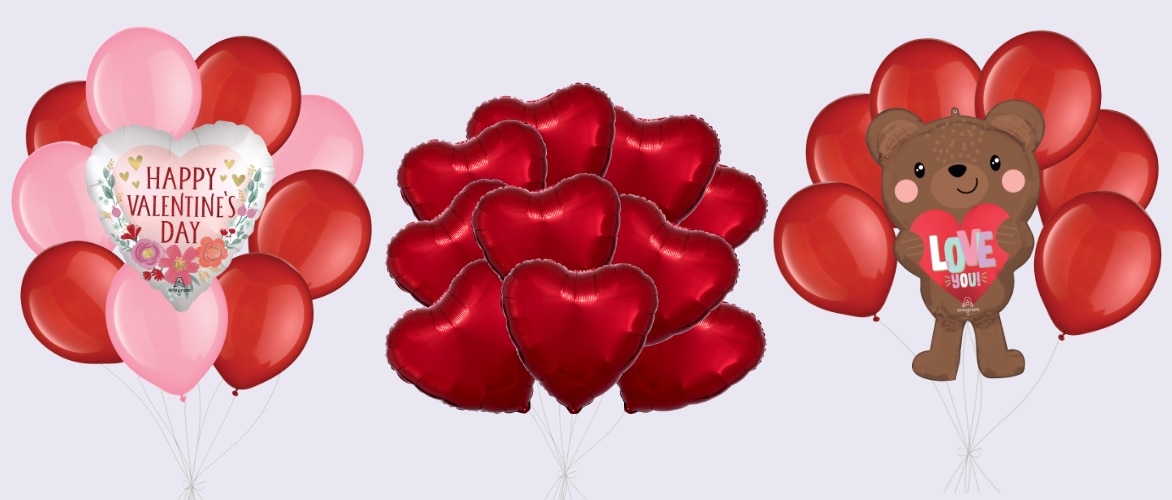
(733, 207)
(459, 351)
(669, 161)
(425, 256)
(692, 270)
(432, 173)
(575, 223)
(577, 123)
(577, 332)
(696, 366)
(962, 257)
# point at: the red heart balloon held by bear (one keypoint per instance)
(575, 222)
(733, 207)
(270, 316)
(1117, 156)
(835, 248)
(927, 77)
(61, 114)
(576, 122)
(693, 270)
(63, 296)
(432, 173)
(836, 147)
(424, 257)
(1097, 261)
(1053, 73)
(963, 257)
(696, 366)
(577, 332)
(248, 81)
(459, 350)
(669, 161)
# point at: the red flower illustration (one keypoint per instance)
(131, 232)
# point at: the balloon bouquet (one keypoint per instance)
(569, 242)
(1098, 253)
(180, 206)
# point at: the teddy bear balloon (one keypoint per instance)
(961, 190)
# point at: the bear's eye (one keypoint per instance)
(920, 170)
(995, 162)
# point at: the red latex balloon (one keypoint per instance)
(575, 223)
(459, 350)
(696, 366)
(248, 81)
(576, 122)
(63, 297)
(424, 257)
(835, 249)
(270, 315)
(1097, 261)
(577, 332)
(433, 172)
(1053, 73)
(318, 222)
(692, 270)
(733, 207)
(836, 147)
(669, 161)
(61, 115)
(927, 77)
(1118, 156)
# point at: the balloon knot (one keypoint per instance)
(235, 392)
(183, 398)
(1062, 336)
(875, 318)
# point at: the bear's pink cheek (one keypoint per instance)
(1013, 181)
(906, 191)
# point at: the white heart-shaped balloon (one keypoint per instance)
(178, 210)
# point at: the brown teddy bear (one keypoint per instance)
(961, 191)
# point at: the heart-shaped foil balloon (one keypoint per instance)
(178, 210)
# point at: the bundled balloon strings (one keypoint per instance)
(968, 473)
(567, 451)
(193, 461)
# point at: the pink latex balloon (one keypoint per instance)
(142, 76)
(50, 202)
(324, 138)
(167, 348)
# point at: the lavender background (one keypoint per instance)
(834, 410)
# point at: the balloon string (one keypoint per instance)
(154, 416)
(1023, 399)
(969, 471)
(589, 424)
(170, 423)
(939, 395)
(246, 431)
(219, 429)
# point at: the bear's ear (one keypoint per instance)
(1019, 119)
(888, 129)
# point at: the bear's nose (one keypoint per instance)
(957, 170)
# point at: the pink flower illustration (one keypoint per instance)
(146, 253)
(180, 264)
